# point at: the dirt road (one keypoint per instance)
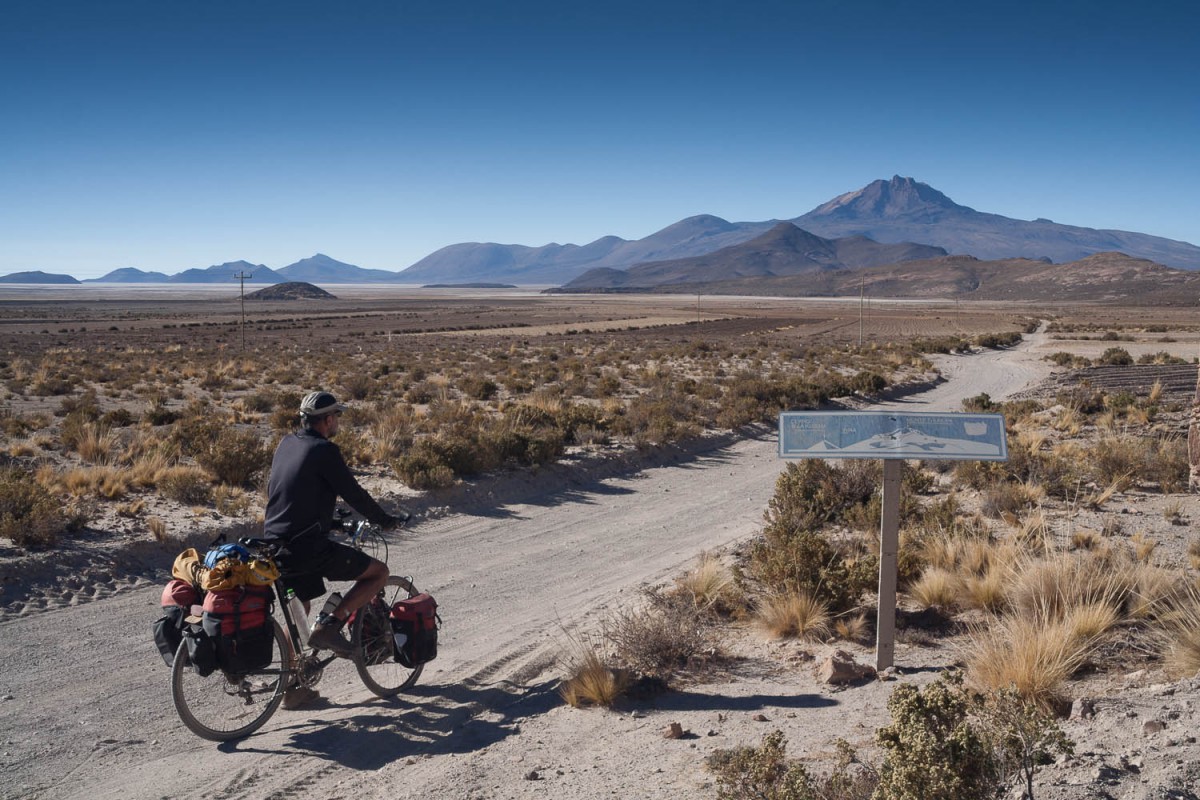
(86, 709)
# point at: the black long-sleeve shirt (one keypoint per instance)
(308, 474)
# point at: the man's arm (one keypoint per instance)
(343, 482)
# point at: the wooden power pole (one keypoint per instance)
(242, 277)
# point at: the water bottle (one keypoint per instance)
(296, 609)
(331, 602)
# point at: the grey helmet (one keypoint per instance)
(318, 404)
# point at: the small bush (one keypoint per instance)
(188, 485)
(660, 638)
(760, 773)
(235, 457)
(29, 515)
(932, 752)
(1115, 357)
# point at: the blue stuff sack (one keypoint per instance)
(234, 551)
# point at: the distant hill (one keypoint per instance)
(557, 263)
(223, 273)
(130, 275)
(783, 250)
(323, 269)
(905, 210)
(887, 212)
(37, 276)
(293, 290)
(1099, 278)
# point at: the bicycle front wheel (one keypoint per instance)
(374, 645)
(222, 707)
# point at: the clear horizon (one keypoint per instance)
(175, 136)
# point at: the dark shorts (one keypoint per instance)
(306, 564)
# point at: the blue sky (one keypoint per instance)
(167, 135)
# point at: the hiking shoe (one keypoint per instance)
(298, 696)
(328, 637)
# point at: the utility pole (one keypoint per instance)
(862, 293)
(242, 277)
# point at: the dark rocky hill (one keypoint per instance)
(293, 290)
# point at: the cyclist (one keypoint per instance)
(308, 474)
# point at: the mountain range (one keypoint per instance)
(900, 212)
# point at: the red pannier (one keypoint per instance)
(178, 597)
(415, 626)
(239, 621)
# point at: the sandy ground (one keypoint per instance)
(86, 710)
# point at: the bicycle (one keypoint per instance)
(223, 706)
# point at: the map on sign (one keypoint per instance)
(885, 434)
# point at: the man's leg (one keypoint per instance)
(366, 586)
(327, 633)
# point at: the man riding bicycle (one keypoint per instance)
(308, 474)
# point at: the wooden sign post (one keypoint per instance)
(894, 438)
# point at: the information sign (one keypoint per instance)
(889, 434)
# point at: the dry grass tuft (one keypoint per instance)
(793, 614)
(157, 528)
(852, 629)
(590, 681)
(937, 588)
(1180, 639)
(1035, 654)
(709, 585)
(1143, 546)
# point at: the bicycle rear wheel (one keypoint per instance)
(374, 645)
(222, 707)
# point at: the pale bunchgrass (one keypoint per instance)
(792, 614)
(591, 682)
(1143, 546)
(157, 528)
(1179, 638)
(851, 628)
(987, 592)
(95, 444)
(936, 588)
(709, 585)
(1034, 653)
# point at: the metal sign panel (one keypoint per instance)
(889, 434)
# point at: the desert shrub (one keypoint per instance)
(478, 387)
(759, 773)
(29, 514)
(188, 485)
(994, 340)
(815, 492)
(931, 749)
(159, 414)
(235, 457)
(1115, 357)
(661, 637)
(805, 561)
(117, 418)
(980, 404)
(423, 467)
(1006, 498)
